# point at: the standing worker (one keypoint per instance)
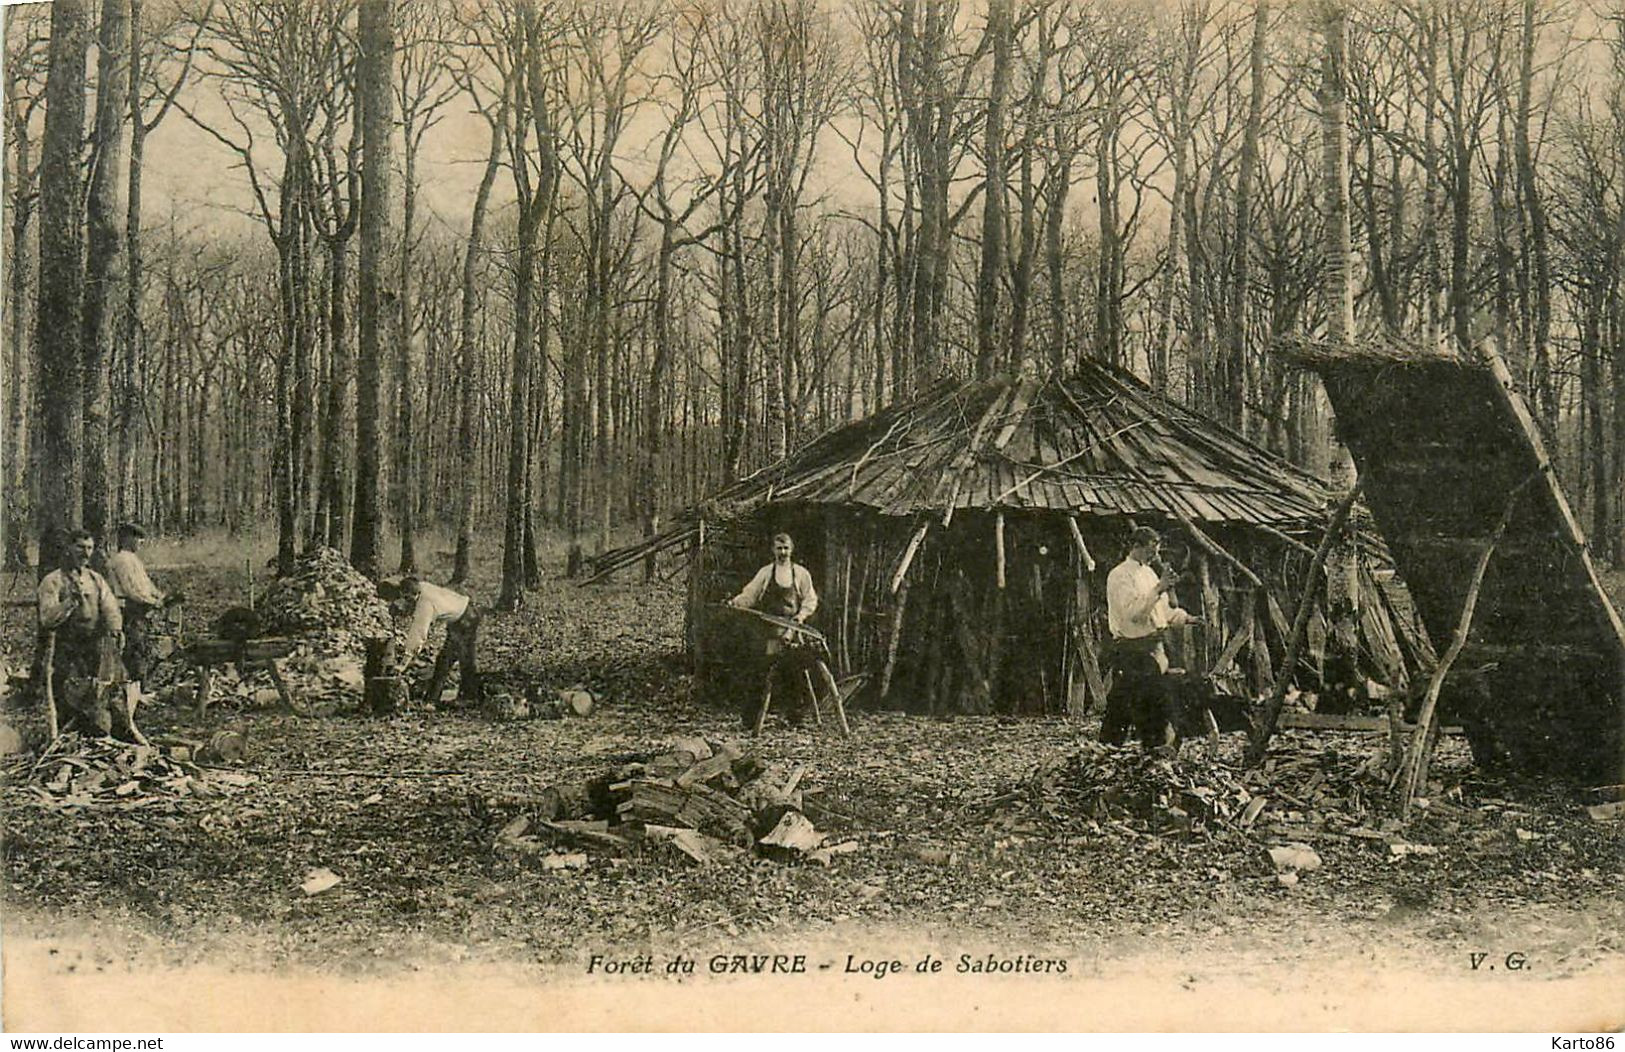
(782, 588)
(139, 599)
(1139, 609)
(80, 614)
(432, 604)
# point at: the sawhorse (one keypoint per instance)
(818, 657)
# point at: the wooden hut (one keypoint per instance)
(960, 543)
(1447, 448)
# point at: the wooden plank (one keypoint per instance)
(1017, 412)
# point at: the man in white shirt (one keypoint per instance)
(1138, 610)
(783, 588)
(138, 599)
(433, 604)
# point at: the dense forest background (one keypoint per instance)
(689, 237)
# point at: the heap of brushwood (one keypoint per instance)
(1311, 791)
(84, 773)
(697, 800)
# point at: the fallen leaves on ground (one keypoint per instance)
(918, 811)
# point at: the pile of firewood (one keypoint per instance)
(1326, 787)
(701, 800)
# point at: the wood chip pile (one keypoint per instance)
(698, 801)
(80, 773)
(1192, 794)
(324, 593)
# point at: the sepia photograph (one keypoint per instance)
(812, 516)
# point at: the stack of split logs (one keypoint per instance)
(703, 800)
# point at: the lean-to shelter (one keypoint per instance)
(1447, 448)
(960, 543)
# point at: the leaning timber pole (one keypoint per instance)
(1265, 729)
(1418, 752)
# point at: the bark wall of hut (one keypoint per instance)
(951, 640)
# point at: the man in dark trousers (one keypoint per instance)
(783, 588)
(434, 604)
(80, 620)
(1139, 609)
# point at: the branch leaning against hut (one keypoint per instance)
(1272, 709)
(1063, 462)
(1416, 753)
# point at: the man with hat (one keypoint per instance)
(1139, 609)
(138, 599)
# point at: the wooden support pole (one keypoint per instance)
(1272, 709)
(1077, 542)
(1414, 772)
(908, 556)
(48, 670)
(1286, 539)
(899, 608)
(1243, 632)
(1213, 547)
(998, 546)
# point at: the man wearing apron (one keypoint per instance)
(783, 588)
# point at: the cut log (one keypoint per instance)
(793, 836)
(578, 702)
(778, 785)
(572, 800)
(705, 771)
(660, 802)
(691, 843)
(696, 747)
(594, 834)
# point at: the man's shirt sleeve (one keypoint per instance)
(57, 601)
(418, 633)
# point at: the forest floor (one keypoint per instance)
(972, 836)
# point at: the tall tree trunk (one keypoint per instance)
(103, 262)
(59, 464)
(512, 596)
(375, 69)
(1534, 212)
(999, 31)
(405, 425)
(16, 445)
(1060, 180)
(129, 400)
(1241, 390)
(1343, 563)
(340, 399)
(467, 385)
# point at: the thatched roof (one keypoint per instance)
(1097, 442)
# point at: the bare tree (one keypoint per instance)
(421, 94)
(374, 89)
(59, 466)
(27, 46)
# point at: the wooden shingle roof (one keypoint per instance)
(1096, 442)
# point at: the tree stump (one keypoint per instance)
(384, 692)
